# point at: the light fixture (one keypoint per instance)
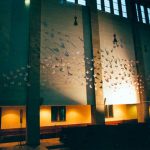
(75, 21)
(75, 16)
(27, 2)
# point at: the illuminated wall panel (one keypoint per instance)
(74, 115)
(120, 79)
(123, 112)
(11, 117)
(62, 56)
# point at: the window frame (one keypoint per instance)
(56, 115)
(109, 112)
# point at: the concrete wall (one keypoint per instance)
(118, 60)
(13, 48)
(144, 32)
(63, 79)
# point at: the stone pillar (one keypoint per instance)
(33, 91)
(92, 24)
(143, 106)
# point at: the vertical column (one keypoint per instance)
(33, 92)
(88, 51)
(142, 107)
(97, 109)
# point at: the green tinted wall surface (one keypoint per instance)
(13, 52)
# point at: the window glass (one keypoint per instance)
(124, 8)
(107, 5)
(137, 12)
(124, 14)
(148, 9)
(72, 1)
(123, 2)
(82, 2)
(58, 113)
(143, 14)
(108, 111)
(116, 7)
(99, 5)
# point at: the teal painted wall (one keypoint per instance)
(14, 52)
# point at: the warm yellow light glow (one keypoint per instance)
(11, 118)
(125, 94)
(27, 2)
(45, 116)
(74, 115)
(78, 114)
(123, 112)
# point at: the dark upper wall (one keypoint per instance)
(13, 49)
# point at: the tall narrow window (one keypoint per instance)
(116, 7)
(124, 8)
(82, 2)
(143, 14)
(148, 9)
(99, 5)
(58, 113)
(137, 12)
(108, 111)
(107, 5)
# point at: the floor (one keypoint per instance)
(51, 144)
